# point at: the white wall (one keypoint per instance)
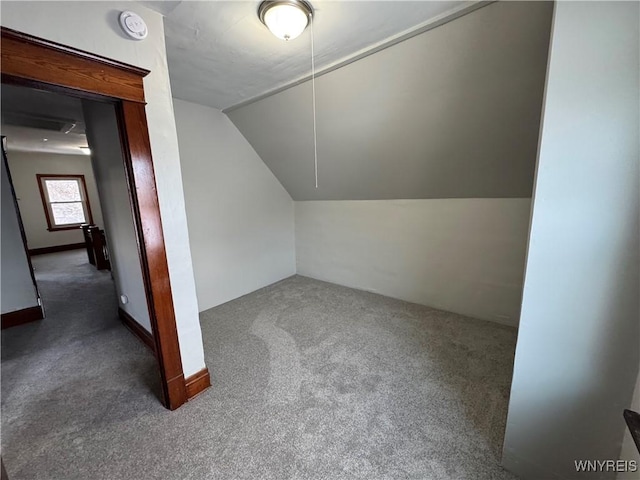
(95, 29)
(240, 217)
(106, 153)
(24, 168)
(578, 346)
(16, 286)
(461, 255)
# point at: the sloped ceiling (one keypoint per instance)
(453, 112)
(220, 55)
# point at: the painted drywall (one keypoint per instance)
(95, 29)
(461, 255)
(106, 155)
(24, 168)
(451, 113)
(16, 286)
(578, 353)
(205, 68)
(240, 217)
(629, 451)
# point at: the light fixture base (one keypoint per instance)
(302, 5)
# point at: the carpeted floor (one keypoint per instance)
(310, 381)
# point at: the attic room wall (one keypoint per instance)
(240, 217)
(24, 167)
(18, 291)
(96, 30)
(426, 157)
(106, 156)
(460, 255)
(578, 353)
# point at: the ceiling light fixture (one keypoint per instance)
(286, 19)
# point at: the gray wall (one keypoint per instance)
(462, 255)
(453, 112)
(17, 290)
(578, 346)
(24, 168)
(106, 154)
(240, 218)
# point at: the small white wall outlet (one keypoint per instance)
(124, 299)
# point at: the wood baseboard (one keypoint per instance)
(194, 384)
(20, 317)
(56, 248)
(138, 330)
(197, 383)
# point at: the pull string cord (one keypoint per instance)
(313, 94)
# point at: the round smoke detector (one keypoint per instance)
(133, 25)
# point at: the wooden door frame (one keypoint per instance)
(38, 63)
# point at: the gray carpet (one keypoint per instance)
(311, 381)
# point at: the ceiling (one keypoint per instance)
(220, 55)
(451, 113)
(39, 121)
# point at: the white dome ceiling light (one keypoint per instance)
(286, 19)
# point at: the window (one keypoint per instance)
(65, 201)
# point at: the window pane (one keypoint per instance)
(67, 213)
(63, 190)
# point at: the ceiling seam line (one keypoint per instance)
(389, 42)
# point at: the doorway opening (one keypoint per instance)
(43, 65)
(72, 207)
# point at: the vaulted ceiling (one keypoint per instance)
(220, 55)
(451, 113)
(421, 99)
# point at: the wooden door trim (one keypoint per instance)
(46, 65)
(32, 60)
(132, 119)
